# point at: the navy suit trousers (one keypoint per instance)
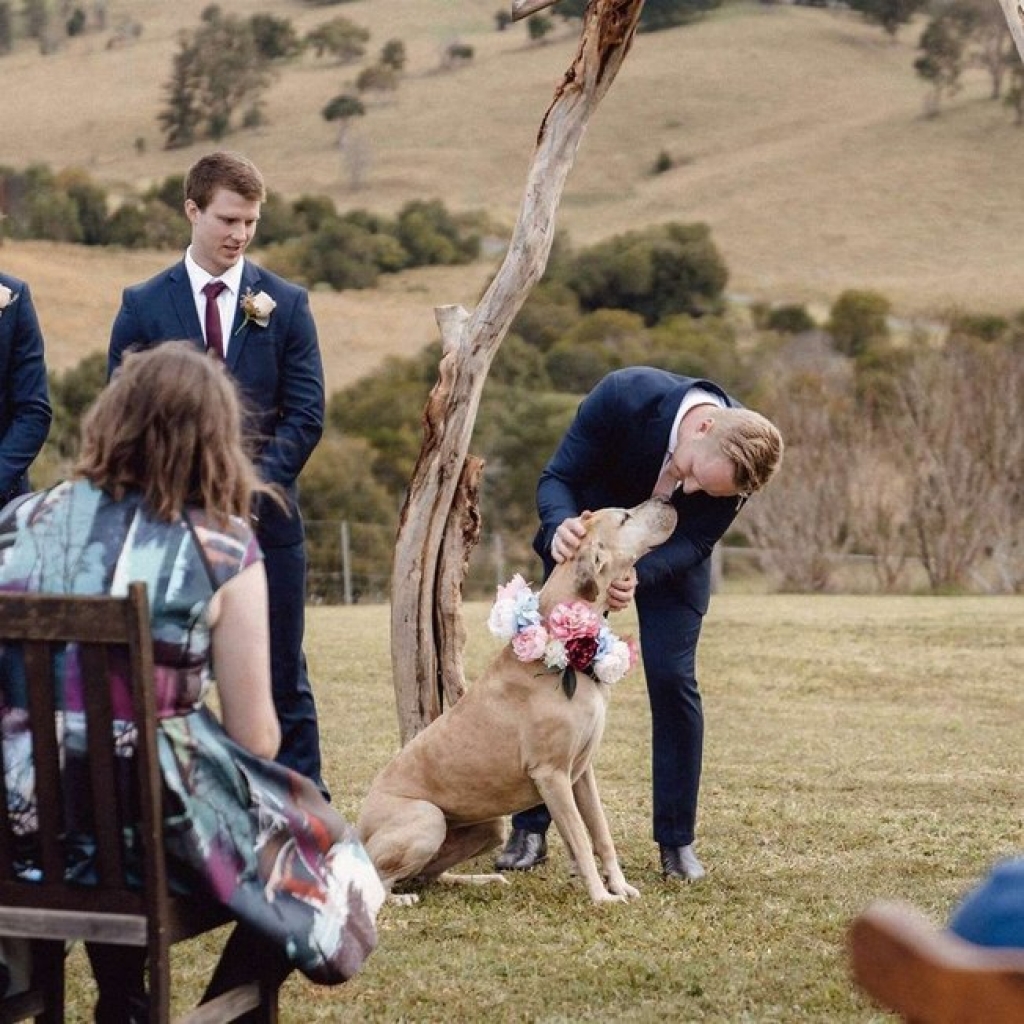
(669, 631)
(293, 695)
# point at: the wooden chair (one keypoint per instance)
(53, 911)
(928, 975)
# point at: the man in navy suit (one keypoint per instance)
(643, 432)
(25, 412)
(263, 329)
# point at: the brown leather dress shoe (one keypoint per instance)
(681, 863)
(523, 851)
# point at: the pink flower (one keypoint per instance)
(529, 644)
(573, 619)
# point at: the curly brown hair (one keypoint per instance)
(169, 424)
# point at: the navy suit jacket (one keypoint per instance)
(277, 368)
(25, 412)
(612, 455)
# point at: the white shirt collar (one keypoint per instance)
(199, 278)
(695, 396)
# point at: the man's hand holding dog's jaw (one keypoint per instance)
(621, 591)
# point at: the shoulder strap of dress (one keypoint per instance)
(200, 549)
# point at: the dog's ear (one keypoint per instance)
(589, 563)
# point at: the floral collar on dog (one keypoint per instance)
(574, 637)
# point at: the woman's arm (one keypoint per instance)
(238, 616)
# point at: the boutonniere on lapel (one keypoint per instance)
(7, 297)
(256, 308)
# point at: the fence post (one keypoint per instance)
(346, 568)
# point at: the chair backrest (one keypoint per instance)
(112, 637)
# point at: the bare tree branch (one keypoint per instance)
(469, 343)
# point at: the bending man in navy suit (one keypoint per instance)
(644, 432)
(25, 412)
(262, 327)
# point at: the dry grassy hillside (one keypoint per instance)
(797, 135)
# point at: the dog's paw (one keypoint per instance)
(404, 899)
(608, 897)
(625, 890)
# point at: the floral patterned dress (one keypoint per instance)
(254, 835)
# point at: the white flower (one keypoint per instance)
(502, 620)
(610, 667)
(6, 297)
(555, 656)
(257, 308)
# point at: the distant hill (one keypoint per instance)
(797, 134)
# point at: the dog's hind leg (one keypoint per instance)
(462, 843)
(402, 837)
(588, 800)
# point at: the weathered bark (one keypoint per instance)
(1014, 14)
(426, 622)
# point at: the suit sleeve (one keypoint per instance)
(125, 332)
(300, 406)
(28, 396)
(580, 457)
(703, 521)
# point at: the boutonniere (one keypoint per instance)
(6, 298)
(257, 308)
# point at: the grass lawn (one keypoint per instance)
(856, 747)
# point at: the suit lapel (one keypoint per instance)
(239, 328)
(184, 305)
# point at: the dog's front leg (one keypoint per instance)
(556, 790)
(589, 802)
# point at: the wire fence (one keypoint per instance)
(350, 563)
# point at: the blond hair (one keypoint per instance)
(752, 443)
(169, 425)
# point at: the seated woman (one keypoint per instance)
(161, 493)
(970, 971)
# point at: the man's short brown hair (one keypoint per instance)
(226, 170)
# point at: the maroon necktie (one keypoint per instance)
(214, 337)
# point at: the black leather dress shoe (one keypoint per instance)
(523, 851)
(681, 863)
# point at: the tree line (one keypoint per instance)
(308, 238)
(903, 448)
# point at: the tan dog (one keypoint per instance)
(514, 740)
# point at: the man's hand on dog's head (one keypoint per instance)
(568, 536)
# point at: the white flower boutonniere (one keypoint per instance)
(257, 308)
(6, 298)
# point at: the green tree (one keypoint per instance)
(393, 55)
(890, 14)
(943, 45)
(539, 27)
(377, 78)
(339, 38)
(658, 271)
(343, 110)
(432, 235)
(218, 68)
(276, 38)
(856, 319)
(6, 28)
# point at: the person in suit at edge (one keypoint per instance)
(25, 412)
(641, 432)
(262, 327)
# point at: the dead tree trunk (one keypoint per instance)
(439, 525)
